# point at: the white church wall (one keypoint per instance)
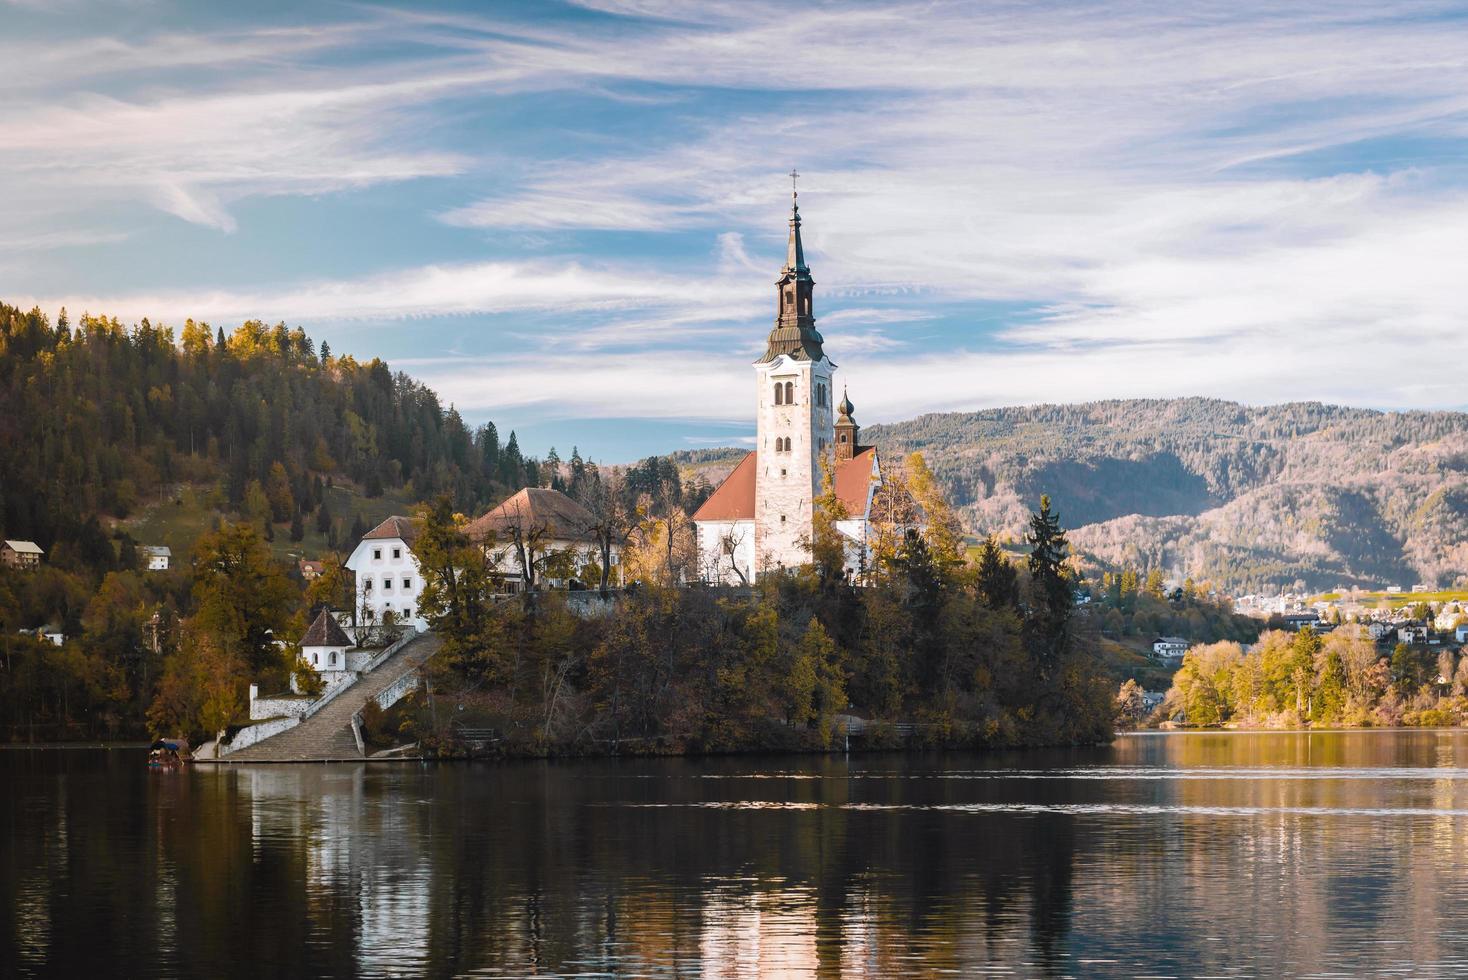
(716, 560)
(787, 482)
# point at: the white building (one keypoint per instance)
(158, 557)
(762, 516)
(1169, 647)
(20, 554)
(325, 647)
(557, 537)
(387, 572)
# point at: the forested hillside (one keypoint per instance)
(1221, 492)
(114, 437)
(240, 452)
(99, 418)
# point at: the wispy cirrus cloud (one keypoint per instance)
(1229, 200)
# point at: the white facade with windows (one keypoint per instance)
(388, 577)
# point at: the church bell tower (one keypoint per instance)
(794, 419)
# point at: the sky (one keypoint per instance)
(568, 217)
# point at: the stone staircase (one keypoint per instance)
(327, 735)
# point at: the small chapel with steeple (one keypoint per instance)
(761, 517)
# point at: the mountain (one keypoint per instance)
(1301, 494)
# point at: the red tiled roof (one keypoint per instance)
(853, 478)
(734, 500)
(393, 527)
(537, 507)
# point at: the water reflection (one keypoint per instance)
(1257, 855)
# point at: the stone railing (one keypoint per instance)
(397, 690)
(408, 637)
(385, 699)
(257, 733)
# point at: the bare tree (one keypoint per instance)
(614, 516)
(729, 543)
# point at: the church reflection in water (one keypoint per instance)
(1275, 854)
(543, 868)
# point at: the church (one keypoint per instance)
(760, 519)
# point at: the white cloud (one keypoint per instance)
(1157, 180)
(665, 300)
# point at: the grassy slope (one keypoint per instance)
(178, 523)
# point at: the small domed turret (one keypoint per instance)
(846, 429)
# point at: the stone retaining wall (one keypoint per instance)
(256, 733)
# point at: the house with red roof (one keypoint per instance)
(761, 518)
(535, 528)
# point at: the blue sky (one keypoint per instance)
(568, 217)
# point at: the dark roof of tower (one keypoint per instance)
(324, 631)
(845, 408)
(795, 333)
(795, 251)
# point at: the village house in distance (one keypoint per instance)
(20, 554)
(762, 516)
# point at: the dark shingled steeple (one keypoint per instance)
(795, 325)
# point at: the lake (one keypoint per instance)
(1218, 854)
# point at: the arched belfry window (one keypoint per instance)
(790, 393)
(779, 393)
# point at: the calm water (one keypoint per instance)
(1333, 854)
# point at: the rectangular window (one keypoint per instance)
(407, 612)
(397, 553)
(367, 585)
(407, 583)
(377, 554)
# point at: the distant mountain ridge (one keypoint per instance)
(1300, 493)
(1297, 494)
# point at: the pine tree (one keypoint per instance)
(298, 529)
(511, 464)
(325, 352)
(578, 472)
(489, 449)
(997, 579)
(323, 518)
(1047, 620)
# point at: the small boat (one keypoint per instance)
(168, 753)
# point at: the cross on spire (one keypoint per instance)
(793, 174)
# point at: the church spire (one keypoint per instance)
(795, 254)
(795, 333)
